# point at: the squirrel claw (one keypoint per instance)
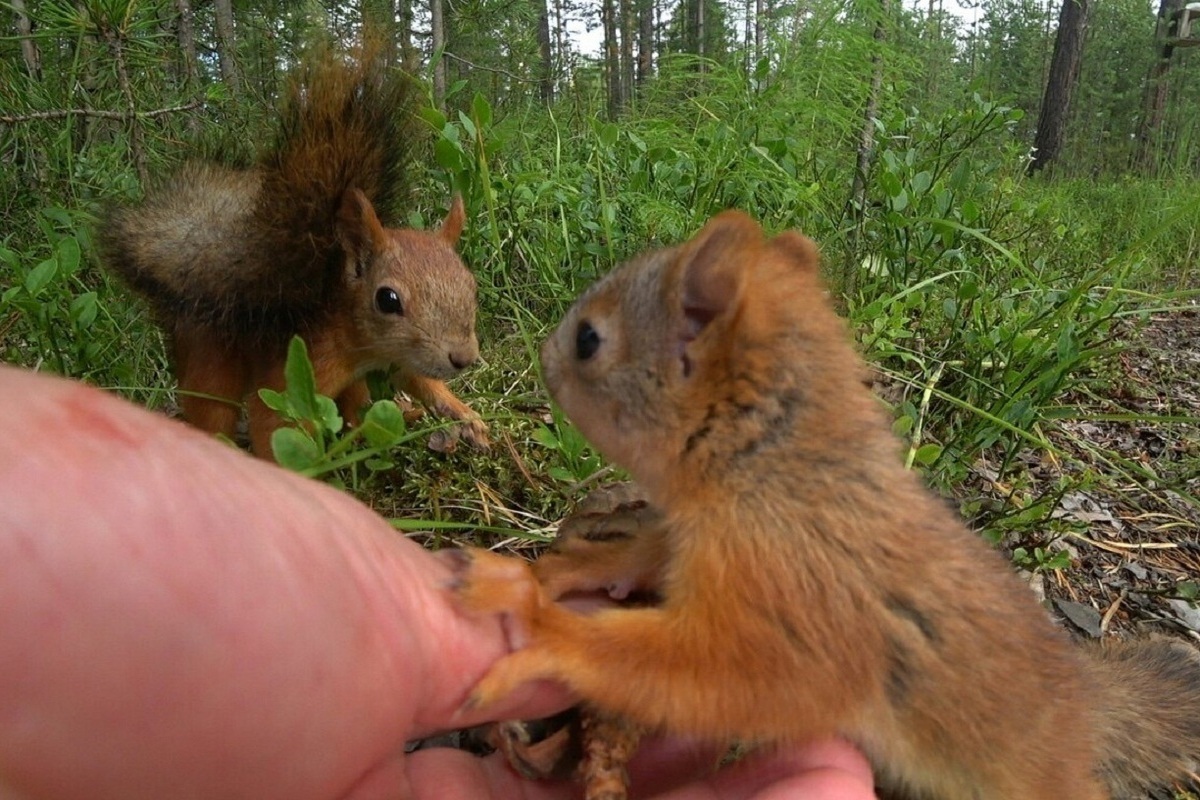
(473, 432)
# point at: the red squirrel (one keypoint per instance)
(810, 586)
(235, 262)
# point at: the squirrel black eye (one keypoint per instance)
(388, 302)
(587, 341)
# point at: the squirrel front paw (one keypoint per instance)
(486, 583)
(471, 430)
(613, 542)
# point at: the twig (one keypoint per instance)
(123, 116)
(504, 72)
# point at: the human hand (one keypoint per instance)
(182, 621)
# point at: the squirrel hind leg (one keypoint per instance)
(206, 366)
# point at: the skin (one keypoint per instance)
(180, 620)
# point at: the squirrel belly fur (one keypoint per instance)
(235, 262)
(810, 585)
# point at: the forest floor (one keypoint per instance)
(1135, 548)
(1135, 560)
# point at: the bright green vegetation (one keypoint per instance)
(989, 302)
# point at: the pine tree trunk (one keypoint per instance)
(645, 63)
(29, 50)
(866, 148)
(408, 53)
(627, 65)
(226, 44)
(185, 32)
(1154, 97)
(612, 66)
(1060, 85)
(438, 29)
(759, 30)
(546, 55)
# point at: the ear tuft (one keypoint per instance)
(358, 229)
(715, 265)
(452, 226)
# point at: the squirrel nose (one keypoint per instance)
(461, 360)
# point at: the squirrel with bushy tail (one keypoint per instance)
(235, 262)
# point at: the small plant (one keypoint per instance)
(579, 462)
(1041, 559)
(317, 443)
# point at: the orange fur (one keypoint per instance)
(810, 585)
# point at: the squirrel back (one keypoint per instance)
(811, 585)
(254, 252)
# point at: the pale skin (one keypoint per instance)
(180, 620)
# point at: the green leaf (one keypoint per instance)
(561, 474)
(328, 414)
(890, 184)
(482, 110)
(468, 125)
(608, 134)
(921, 182)
(301, 382)
(927, 454)
(68, 255)
(276, 401)
(902, 425)
(546, 438)
(449, 155)
(83, 309)
(435, 118)
(40, 276)
(294, 449)
(383, 425)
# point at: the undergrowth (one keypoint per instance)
(981, 297)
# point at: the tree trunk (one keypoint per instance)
(645, 63)
(226, 44)
(758, 30)
(612, 65)
(408, 52)
(627, 66)
(1060, 85)
(29, 50)
(185, 32)
(866, 148)
(749, 13)
(546, 55)
(1154, 97)
(438, 29)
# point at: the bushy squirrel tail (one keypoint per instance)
(257, 249)
(1146, 696)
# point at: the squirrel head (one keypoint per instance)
(685, 355)
(412, 299)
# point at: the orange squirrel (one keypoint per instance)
(236, 262)
(810, 585)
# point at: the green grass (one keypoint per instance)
(988, 300)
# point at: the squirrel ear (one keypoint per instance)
(358, 229)
(715, 264)
(452, 226)
(799, 249)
